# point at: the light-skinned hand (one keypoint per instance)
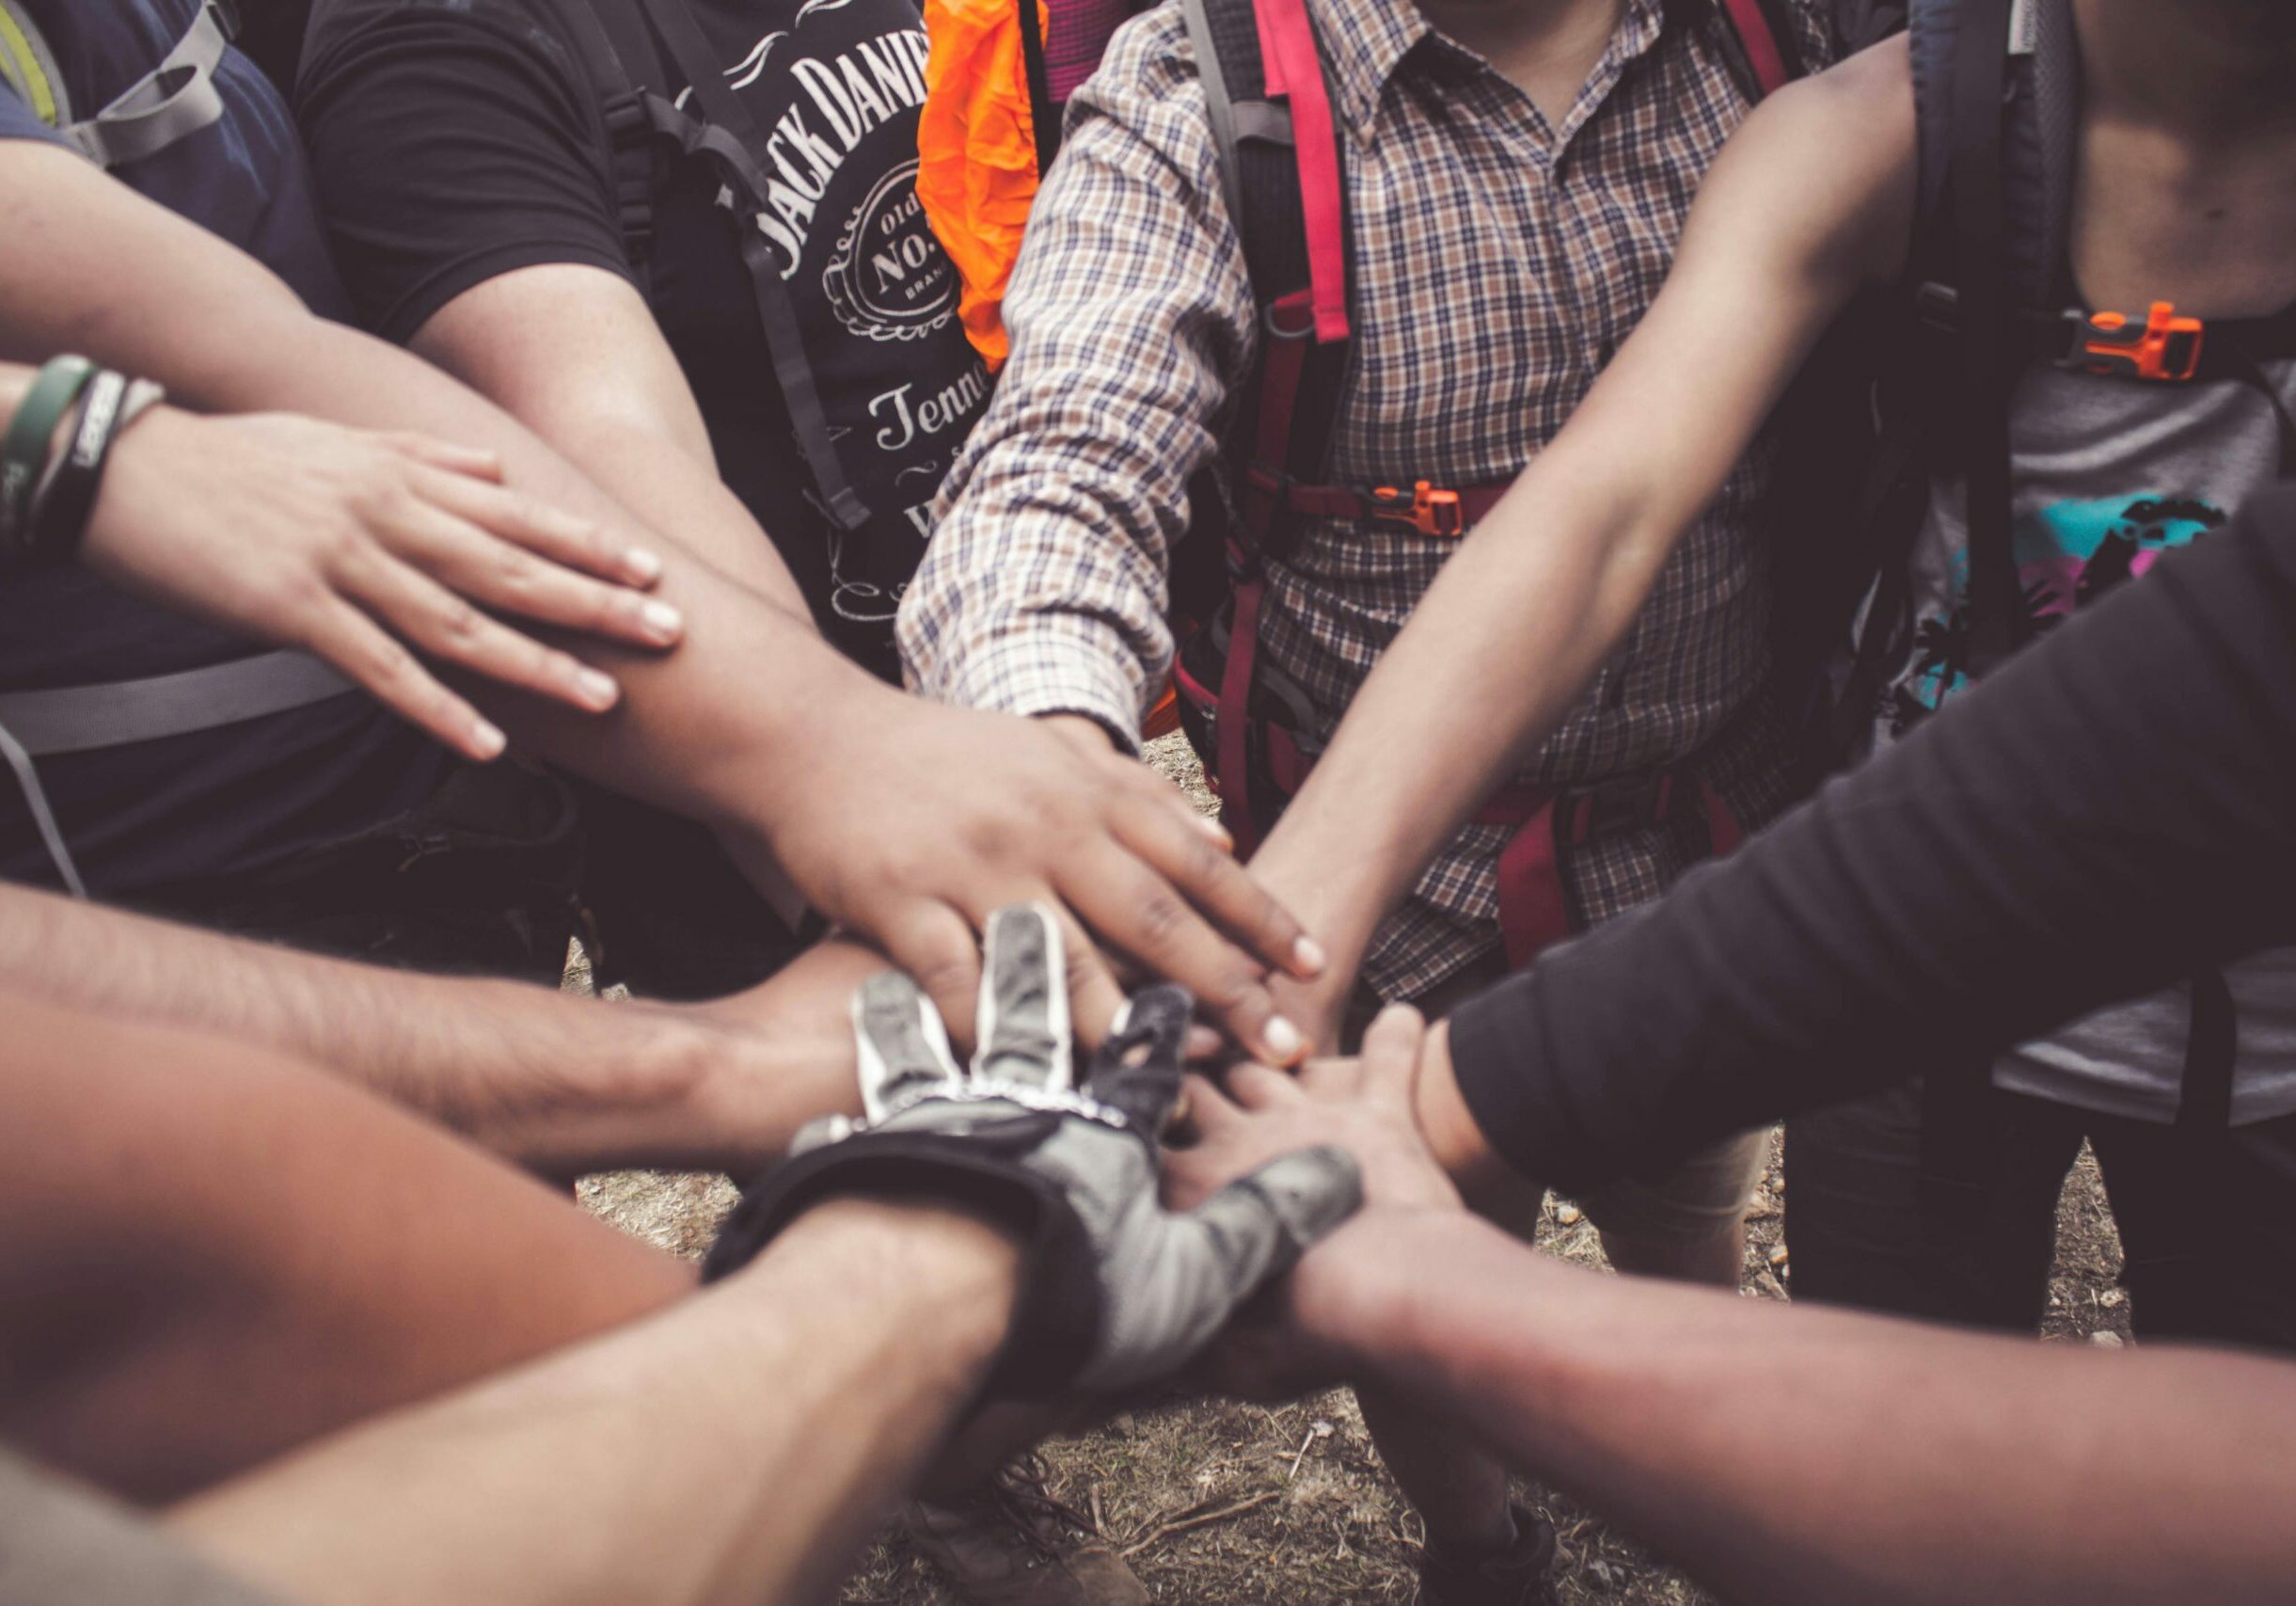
(371, 551)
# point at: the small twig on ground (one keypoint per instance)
(1321, 1430)
(1100, 1523)
(1183, 1524)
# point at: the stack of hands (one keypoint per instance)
(1154, 1207)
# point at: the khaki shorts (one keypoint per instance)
(1697, 1201)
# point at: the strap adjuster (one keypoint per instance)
(2165, 348)
(1626, 804)
(1426, 508)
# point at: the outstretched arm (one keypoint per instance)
(733, 1449)
(1900, 1463)
(560, 1084)
(1811, 198)
(909, 823)
(2108, 812)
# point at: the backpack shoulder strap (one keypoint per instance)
(732, 139)
(1043, 116)
(614, 50)
(171, 103)
(28, 67)
(2040, 116)
(1997, 115)
(1759, 43)
(1289, 209)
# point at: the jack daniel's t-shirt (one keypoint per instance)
(457, 140)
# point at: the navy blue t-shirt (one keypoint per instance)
(212, 802)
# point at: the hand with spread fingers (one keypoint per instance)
(1361, 1106)
(1118, 1290)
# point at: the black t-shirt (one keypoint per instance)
(2114, 809)
(456, 143)
(209, 803)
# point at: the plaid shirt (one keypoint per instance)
(1500, 263)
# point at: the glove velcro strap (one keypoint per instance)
(1056, 1316)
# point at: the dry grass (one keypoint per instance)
(1320, 1520)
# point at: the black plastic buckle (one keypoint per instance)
(1625, 805)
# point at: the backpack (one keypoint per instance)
(638, 117)
(170, 104)
(1997, 93)
(1283, 177)
(1997, 90)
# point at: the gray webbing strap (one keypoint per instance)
(732, 136)
(1219, 106)
(175, 100)
(784, 340)
(81, 718)
(35, 798)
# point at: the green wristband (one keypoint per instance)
(24, 450)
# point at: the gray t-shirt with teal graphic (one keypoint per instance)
(2109, 475)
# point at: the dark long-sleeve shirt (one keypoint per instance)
(2114, 808)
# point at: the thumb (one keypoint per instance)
(1203, 1265)
(1264, 1220)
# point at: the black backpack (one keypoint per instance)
(1997, 89)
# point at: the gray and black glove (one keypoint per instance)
(1116, 1291)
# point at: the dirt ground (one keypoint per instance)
(1221, 1504)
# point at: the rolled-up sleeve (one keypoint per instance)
(1043, 588)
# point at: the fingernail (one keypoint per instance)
(489, 741)
(1282, 1039)
(1214, 830)
(662, 620)
(596, 688)
(642, 566)
(1307, 955)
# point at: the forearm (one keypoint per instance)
(573, 353)
(2111, 810)
(1801, 208)
(734, 1449)
(1475, 681)
(560, 1084)
(691, 727)
(1898, 1462)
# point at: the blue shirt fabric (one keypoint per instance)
(211, 804)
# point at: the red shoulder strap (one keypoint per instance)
(1764, 51)
(1294, 71)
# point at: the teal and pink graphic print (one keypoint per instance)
(2067, 555)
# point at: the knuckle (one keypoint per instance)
(385, 661)
(1162, 919)
(460, 623)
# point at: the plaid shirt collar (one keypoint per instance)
(1366, 42)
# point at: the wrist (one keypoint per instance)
(1491, 1187)
(1340, 912)
(1353, 1299)
(924, 1252)
(767, 776)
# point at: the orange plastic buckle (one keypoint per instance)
(1429, 511)
(2163, 347)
